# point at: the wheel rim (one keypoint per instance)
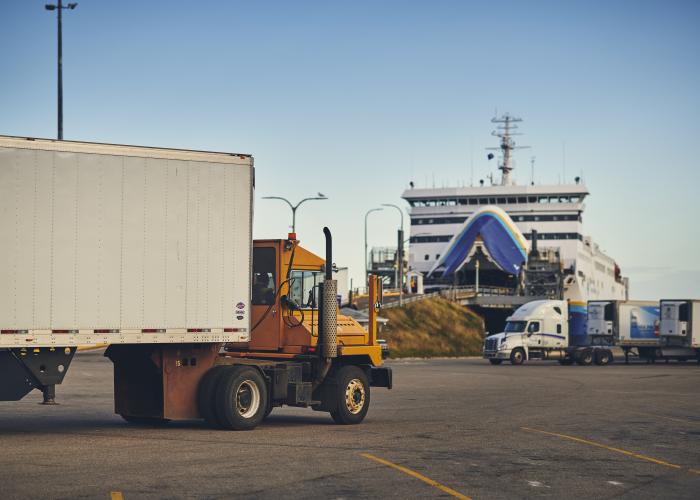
(247, 399)
(518, 356)
(355, 396)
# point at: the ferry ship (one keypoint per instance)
(465, 235)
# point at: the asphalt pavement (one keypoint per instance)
(449, 428)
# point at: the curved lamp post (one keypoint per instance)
(320, 196)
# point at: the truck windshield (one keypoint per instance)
(515, 326)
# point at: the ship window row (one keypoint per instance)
(517, 218)
(555, 236)
(540, 236)
(495, 200)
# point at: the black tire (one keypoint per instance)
(517, 357)
(585, 357)
(241, 398)
(603, 357)
(206, 395)
(352, 396)
(495, 361)
(152, 421)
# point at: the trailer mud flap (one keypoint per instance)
(381, 377)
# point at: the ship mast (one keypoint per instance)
(505, 130)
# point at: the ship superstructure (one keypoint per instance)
(554, 212)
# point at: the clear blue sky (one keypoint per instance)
(355, 99)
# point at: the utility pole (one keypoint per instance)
(399, 252)
(59, 7)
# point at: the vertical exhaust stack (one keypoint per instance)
(533, 245)
(329, 305)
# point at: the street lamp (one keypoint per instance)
(368, 212)
(59, 7)
(399, 251)
(320, 196)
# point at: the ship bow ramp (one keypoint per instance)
(495, 232)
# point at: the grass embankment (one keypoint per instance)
(432, 327)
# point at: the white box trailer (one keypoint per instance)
(107, 244)
(631, 324)
(680, 329)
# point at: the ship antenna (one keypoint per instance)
(505, 130)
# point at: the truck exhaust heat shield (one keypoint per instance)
(329, 319)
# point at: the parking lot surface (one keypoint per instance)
(449, 428)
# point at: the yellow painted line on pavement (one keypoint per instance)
(116, 495)
(416, 475)
(638, 456)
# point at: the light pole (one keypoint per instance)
(366, 214)
(399, 251)
(59, 7)
(320, 196)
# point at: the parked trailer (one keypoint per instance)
(150, 251)
(680, 329)
(541, 329)
(632, 324)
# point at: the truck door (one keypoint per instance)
(534, 333)
(265, 314)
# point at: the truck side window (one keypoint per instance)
(264, 265)
(533, 327)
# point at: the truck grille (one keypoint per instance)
(491, 344)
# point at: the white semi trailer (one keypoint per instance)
(680, 329)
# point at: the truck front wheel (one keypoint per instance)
(241, 398)
(351, 396)
(517, 357)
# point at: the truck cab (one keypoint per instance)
(537, 329)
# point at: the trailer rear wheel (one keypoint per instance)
(517, 357)
(206, 395)
(495, 361)
(241, 398)
(603, 357)
(585, 357)
(351, 397)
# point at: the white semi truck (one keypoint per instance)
(540, 330)
(680, 329)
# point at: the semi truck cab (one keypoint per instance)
(534, 329)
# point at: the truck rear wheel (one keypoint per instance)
(603, 357)
(495, 361)
(241, 398)
(517, 357)
(585, 357)
(206, 395)
(351, 397)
